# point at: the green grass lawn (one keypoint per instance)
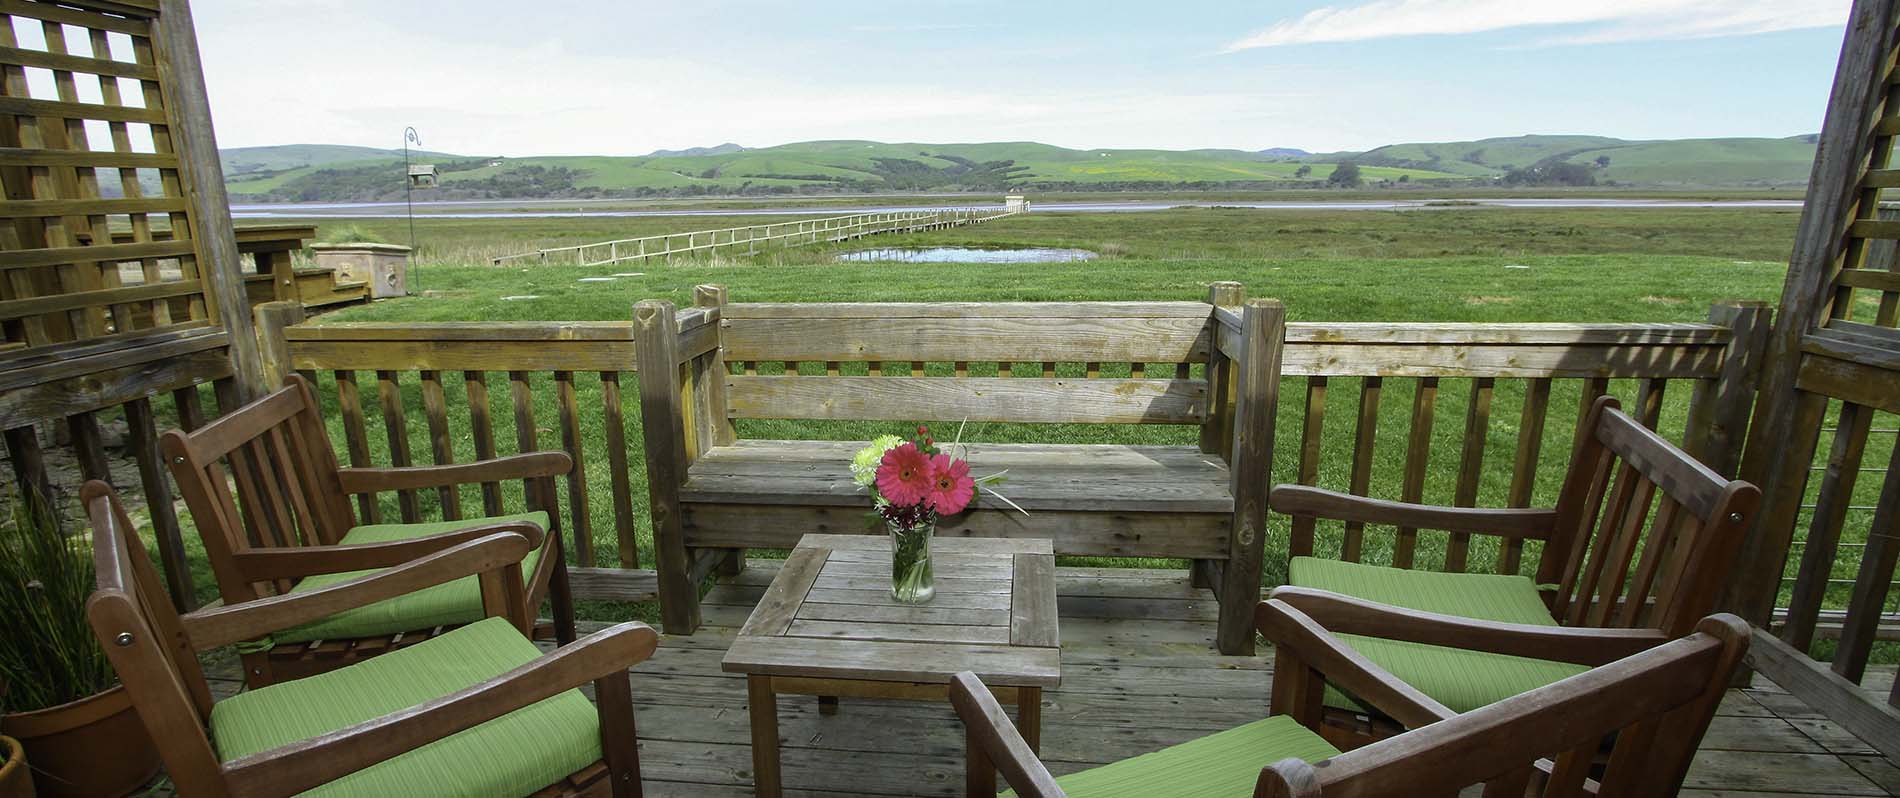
(1481, 265)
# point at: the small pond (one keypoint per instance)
(967, 255)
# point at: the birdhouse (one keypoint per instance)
(422, 175)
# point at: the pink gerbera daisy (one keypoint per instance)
(903, 476)
(951, 487)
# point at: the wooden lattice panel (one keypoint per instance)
(1867, 262)
(98, 240)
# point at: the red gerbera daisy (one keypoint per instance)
(951, 487)
(903, 476)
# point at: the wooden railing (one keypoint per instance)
(752, 237)
(484, 388)
(453, 392)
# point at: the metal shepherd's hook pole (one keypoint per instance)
(409, 134)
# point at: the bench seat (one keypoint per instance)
(1104, 500)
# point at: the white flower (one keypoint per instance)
(864, 465)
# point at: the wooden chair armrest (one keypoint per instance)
(520, 466)
(1313, 644)
(235, 623)
(996, 744)
(290, 562)
(1305, 500)
(1342, 614)
(297, 767)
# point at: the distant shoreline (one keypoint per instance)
(467, 209)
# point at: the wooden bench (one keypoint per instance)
(1098, 363)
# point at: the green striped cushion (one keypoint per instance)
(1223, 763)
(1459, 679)
(447, 604)
(516, 754)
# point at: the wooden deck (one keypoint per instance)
(1139, 673)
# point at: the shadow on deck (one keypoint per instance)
(1139, 673)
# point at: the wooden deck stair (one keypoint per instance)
(1139, 673)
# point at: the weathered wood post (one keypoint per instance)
(1719, 411)
(656, 349)
(1217, 428)
(1257, 398)
(708, 375)
(197, 147)
(272, 345)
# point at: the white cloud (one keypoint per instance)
(549, 96)
(1599, 20)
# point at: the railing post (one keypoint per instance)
(1217, 428)
(1218, 425)
(656, 349)
(1719, 411)
(272, 346)
(1257, 397)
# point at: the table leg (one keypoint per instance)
(827, 705)
(1029, 716)
(763, 706)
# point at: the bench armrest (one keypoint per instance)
(290, 562)
(1300, 643)
(995, 744)
(496, 556)
(1341, 614)
(531, 465)
(1308, 501)
(297, 767)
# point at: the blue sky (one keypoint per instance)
(480, 77)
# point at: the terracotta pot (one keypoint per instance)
(16, 781)
(93, 746)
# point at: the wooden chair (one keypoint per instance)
(362, 729)
(1613, 576)
(1649, 710)
(291, 530)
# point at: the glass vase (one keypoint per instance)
(910, 561)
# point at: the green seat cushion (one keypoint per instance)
(1459, 679)
(1223, 763)
(515, 754)
(447, 604)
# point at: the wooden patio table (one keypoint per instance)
(827, 626)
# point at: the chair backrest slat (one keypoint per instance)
(1661, 548)
(283, 464)
(1623, 534)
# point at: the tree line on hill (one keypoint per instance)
(384, 182)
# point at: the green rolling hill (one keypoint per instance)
(1675, 162)
(309, 172)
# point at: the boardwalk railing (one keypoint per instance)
(755, 237)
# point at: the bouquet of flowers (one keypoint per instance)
(912, 483)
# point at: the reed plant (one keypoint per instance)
(48, 654)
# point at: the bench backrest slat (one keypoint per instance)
(1012, 399)
(1028, 334)
(1105, 339)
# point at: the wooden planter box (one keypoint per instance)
(380, 265)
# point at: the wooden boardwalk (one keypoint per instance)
(1139, 673)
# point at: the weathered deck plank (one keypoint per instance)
(1139, 673)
